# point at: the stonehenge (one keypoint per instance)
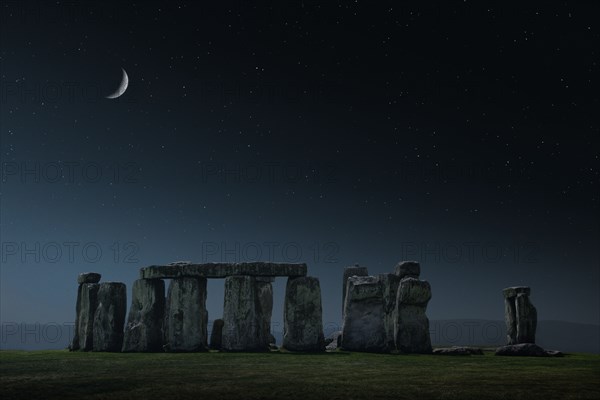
(179, 321)
(386, 313)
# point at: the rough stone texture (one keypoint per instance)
(216, 334)
(332, 341)
(88, 277)
(87, 294)
(412, 325)
(526, 319)
(348, 272)
(408, 269)
(186, 316)
(303, 315)
(389, 287)
(109, 317)
(526, 350)
(222, 270)
(144, 328)
(520, 315)
(243, 324)
(458, 351)
(264, 302)
(363, 328)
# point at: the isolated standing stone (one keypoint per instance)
(215, 334)
(109, 317)
(412, 324)
(363, 328)
(144, 329)
(389, 287)
(303, 315)
(186, 318)
(520, 315)
(348, 272)
(87, 294)
(242, 323)
(408, 269)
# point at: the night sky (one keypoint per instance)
(464, 136)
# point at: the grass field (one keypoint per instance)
(65, 375)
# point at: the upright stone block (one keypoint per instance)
(264, 302)
(355, 270)
(389, 287)
(412, 324)
(83, 338)
(186, 318)
(303, 315)
(363, 328)
(520, 315)
(408, 269)
(109, 317)
(242, 322)
(144, 329)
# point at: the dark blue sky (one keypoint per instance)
(462, 136)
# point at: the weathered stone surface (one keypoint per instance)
(389, 287)
(186, 322)
(348, 272)
(222, 270)
(243, 323)
(144, 328)
(522, 349)
(87, 294)
(526, 319)
(88, 277)
(303, 315)
(414, 292)
(363, 328)
(216, 334)
(109, 317)
(264, 302)
(520, 315)
(333, 340)
(458, 351)
(408, 269)
(411, 323)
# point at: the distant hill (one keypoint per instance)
(557, 335)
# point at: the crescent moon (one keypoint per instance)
(122, 87)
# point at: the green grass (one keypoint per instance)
(65, 375)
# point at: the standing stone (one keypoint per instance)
(216, 334)
(303, 315)
(144, 329)
(88, 277)
(408, 269)
(389, 287)
(520, 315)
(109, 317)
(412, 324)
(348, 272)
(264, 302)
(87, 294)
(186, 318)
(242, 323)
(363, 328)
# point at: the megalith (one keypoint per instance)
(354, 270)
(520, 315)
(408, 269)
(144, 328)
(186, 318)
(303, 315)
(389, 289)
(109, 317)
(264, 302)
(411, 322)
(242, 322)
(85, 308)
(363, 327)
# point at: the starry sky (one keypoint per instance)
(461, 135)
